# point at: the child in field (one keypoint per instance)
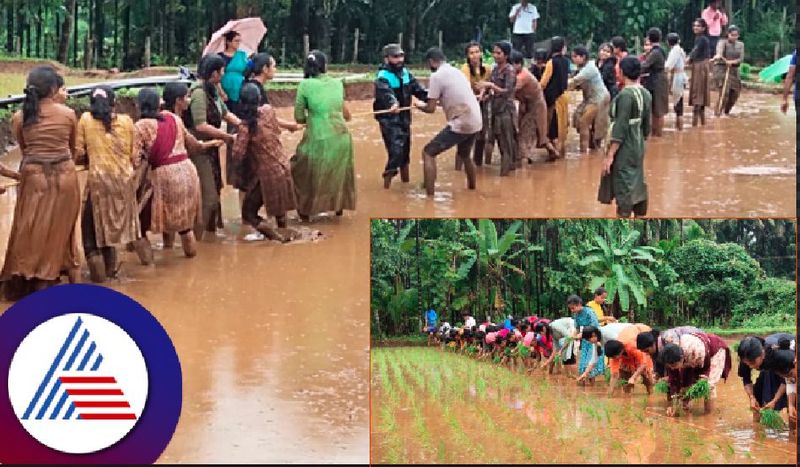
(594, 366)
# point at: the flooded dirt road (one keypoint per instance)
(273, 342)
(433, 406)
(741, 166)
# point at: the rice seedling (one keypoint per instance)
(662, 387)
(772, 419)
(480, 387)
(699, 390)
(686, 451)
(420, 430)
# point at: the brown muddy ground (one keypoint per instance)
(432, 406)
(273, 341)
(741, 166)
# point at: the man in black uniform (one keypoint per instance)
(394, 87)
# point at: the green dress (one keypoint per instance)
(630, 115)
(322, 168)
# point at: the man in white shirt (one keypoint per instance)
(451, 88)
(525, 18)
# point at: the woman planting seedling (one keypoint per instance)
(695, 357)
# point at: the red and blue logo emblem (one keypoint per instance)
(92, 377)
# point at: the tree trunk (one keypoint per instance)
(126, 35)
(419, 271)
(114, 55)
(99, 33)
(356, 37)
(28, 37)
(75, 36)
(412, 35)
(10, 26)
(147, 51)
(39, 31)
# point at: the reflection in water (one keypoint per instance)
(563, 423)
(739, 166)
(273, 342)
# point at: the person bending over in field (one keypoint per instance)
(653, 341)
(563, 330)
(769, 390)
(696, 356)
(594, 366)
(629, 363)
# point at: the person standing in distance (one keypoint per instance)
(524, 17)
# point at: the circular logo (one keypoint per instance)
(91, 377)
(78, 367)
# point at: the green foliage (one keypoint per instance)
(714, 274)
(771, 303)
(662, 387)
(772, 419)
(699, 390)
(713, 277)
(614, 260)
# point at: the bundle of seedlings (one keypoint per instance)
(699, 390)
(662, 387)
(772, 419)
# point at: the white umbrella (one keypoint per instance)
(252, 30)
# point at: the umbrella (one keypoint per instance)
(252, 31)
(774, 73)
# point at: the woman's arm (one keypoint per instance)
(547, 74)
(79, 151)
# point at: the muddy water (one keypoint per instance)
(273, 342)
(480, 413)
(739, 166)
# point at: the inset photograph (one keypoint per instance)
(583, 341)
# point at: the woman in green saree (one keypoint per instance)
(322, 168)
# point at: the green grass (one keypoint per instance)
(662, 387)
(14, 83)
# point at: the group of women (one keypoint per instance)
(632, 353)
(162, 173)
(542, 119)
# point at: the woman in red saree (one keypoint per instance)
(171, 202)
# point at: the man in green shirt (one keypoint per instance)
(630, 114)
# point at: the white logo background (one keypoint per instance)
(122, 359)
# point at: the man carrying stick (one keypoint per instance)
(394, 88)
(728, 57)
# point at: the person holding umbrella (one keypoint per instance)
(233, 43)
(237, 173)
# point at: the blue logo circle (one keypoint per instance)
(70, 370)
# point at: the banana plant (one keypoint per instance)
(614, 261)
(496, 253)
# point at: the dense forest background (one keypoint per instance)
(718, 273)
(129, 34)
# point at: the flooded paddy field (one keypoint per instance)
(434, 406)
